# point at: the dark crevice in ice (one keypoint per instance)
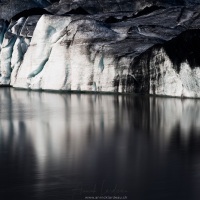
(30, 12)
(185, 47)
(113, 19)
(77, 11)
(145, 11)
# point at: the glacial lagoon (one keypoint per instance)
(62, 146)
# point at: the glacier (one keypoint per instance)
(155, 53)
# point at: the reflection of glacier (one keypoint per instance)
(58, 122)
(49, 120)
(167, 116)
(61, 127)
(93, 136)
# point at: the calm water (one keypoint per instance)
(81, 146)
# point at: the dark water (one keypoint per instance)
(83, 146)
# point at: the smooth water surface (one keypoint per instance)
(87, 146)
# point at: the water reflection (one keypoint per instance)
(65, 146)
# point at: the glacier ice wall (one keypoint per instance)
(107, 52)
(171, 68)
(63, 56)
